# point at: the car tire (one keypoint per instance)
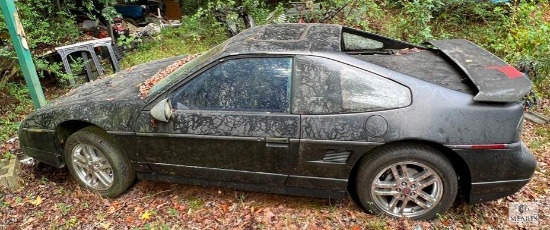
(426, 188)
(97, 164)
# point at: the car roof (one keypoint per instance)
(288, 37)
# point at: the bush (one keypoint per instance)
(524, 41)
(45, 27)
(198, 32)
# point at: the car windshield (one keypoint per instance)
(186, 69)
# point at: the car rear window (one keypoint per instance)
(353, 42)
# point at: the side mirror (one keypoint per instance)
(162, 111)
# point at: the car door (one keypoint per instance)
(343, 110)
(230, 122)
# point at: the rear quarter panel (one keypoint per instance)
(436, 114)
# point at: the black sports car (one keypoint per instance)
(304, 109)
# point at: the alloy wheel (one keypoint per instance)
(92, 167)
(407, 189)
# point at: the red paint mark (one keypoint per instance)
(490, 146)
(507, 70)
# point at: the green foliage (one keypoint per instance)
(361, 14)
(56, 68)
(43, 24)
(8, 155)
(204, 18)
(201, 24)
(108, 11)
(258, 10)
(525, 42)
(12, 113)
(190, 38)
(190, 7)
(45, 27)
(254, 8)
(417, 15)
(130, 42)
(198, 32)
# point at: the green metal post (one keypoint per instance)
(19, 41)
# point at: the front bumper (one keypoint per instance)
(498, 173)
(40, 145)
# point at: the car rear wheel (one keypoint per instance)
(414, 181)
(96, 163)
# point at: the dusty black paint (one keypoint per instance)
(225, 124)
(309, 148)
(111, 103)
(376, 126)
(425, 65)
(482, 67)
(238, 153)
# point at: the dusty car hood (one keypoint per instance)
(111, 103)
(121, 86)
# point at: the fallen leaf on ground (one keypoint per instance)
(146, 216)
(36, 201)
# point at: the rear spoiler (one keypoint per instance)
(496, 80)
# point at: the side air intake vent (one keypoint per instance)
(338, 156)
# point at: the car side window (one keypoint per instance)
(316, 87)
(245, 84)
(324, 86)
(363, 91)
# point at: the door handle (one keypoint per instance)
(277, 142)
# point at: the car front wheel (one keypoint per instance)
(414, 181)
(96, 163)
